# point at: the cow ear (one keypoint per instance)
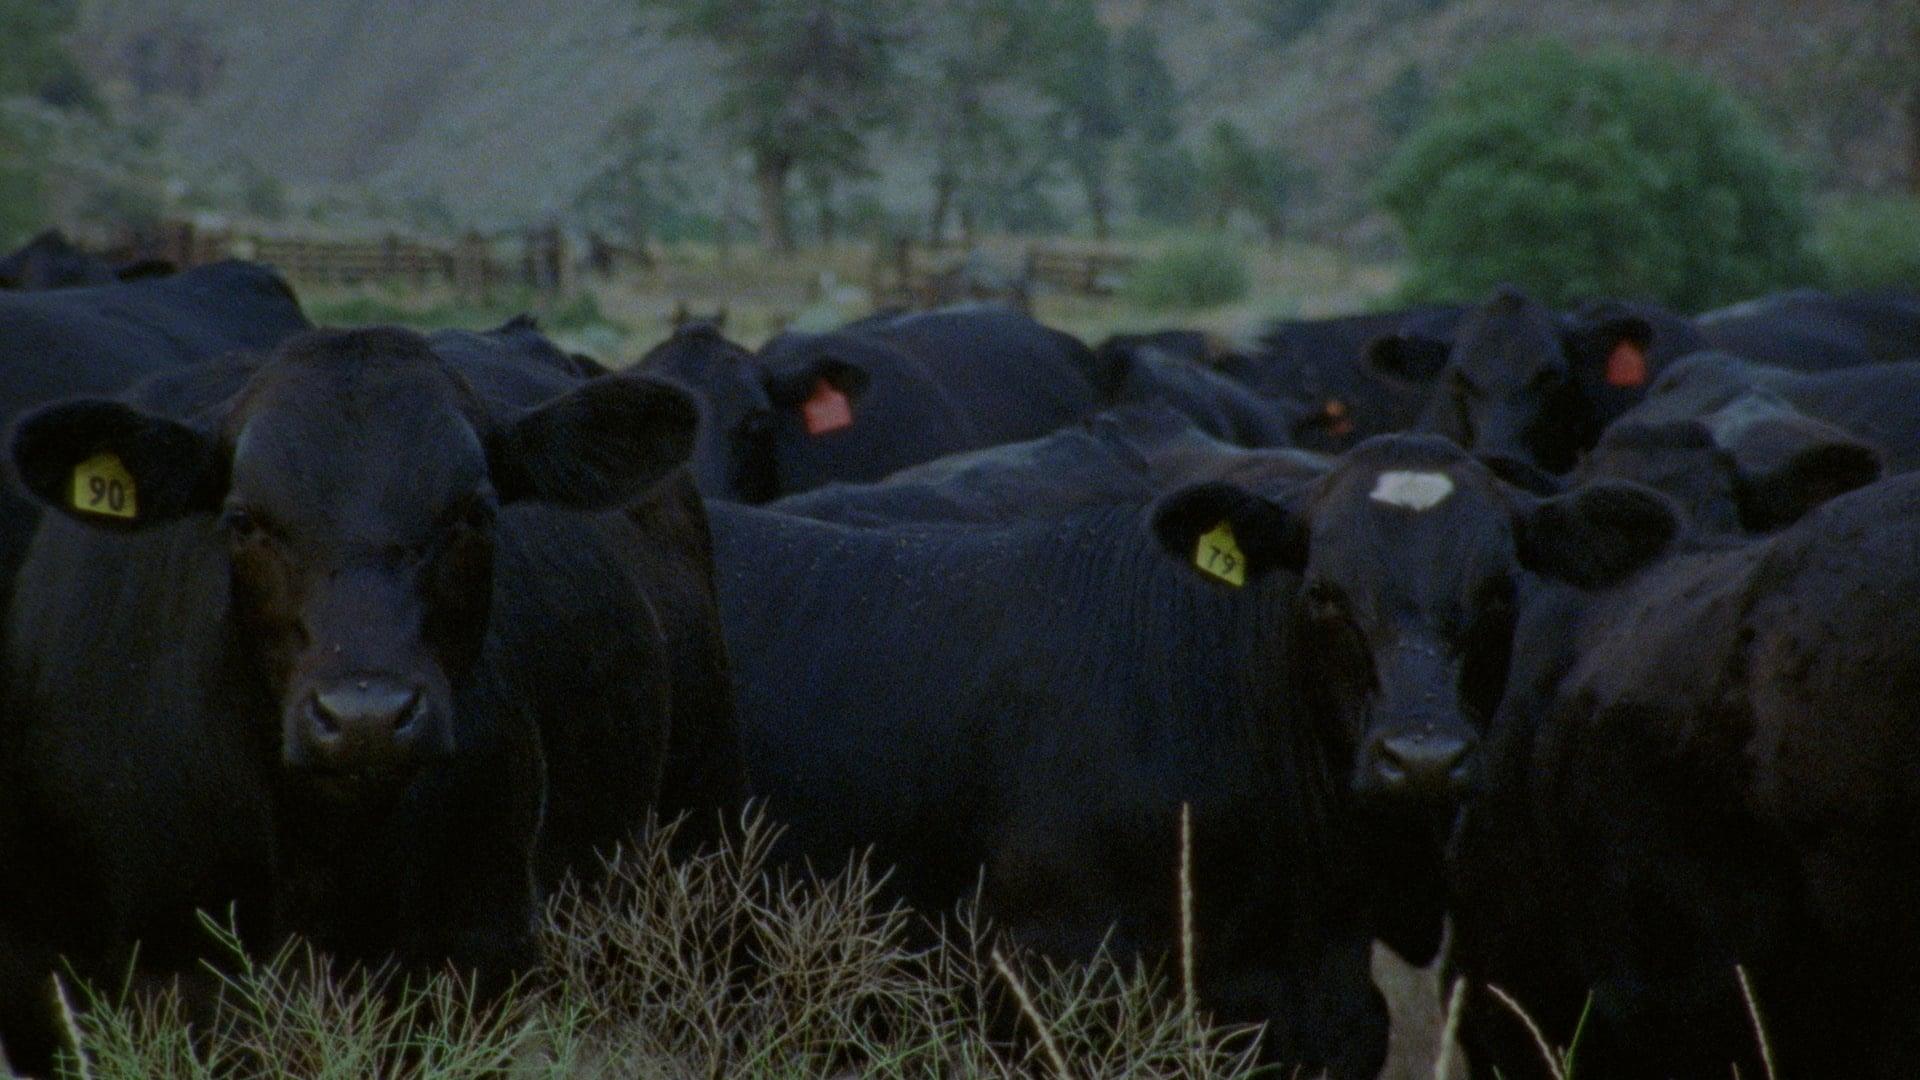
(1612, 350)
(845, 376)
(1596, 534)
(1228, 534)
(601, 445)
(1413, 358)
(1787, 467)
(795, 387)
(110, 465)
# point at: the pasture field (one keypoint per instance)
(617, 319)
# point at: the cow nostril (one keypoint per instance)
(410, 714)
(324, 723)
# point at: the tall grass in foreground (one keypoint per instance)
(705, 967)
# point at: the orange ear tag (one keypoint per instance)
(1626, 366)
(827, 410)
(1339, 425)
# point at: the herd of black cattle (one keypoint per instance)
(1596, 633)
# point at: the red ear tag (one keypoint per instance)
(1626, 366)
(1338, 424)
(827, 410)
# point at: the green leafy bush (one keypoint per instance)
(1587, 175)
(1869, 243)
(1199, 273)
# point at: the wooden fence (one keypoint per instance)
(904, 274)
(473, 264)
(914, 275)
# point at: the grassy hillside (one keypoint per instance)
(489, 110)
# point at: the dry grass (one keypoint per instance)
(708, 967)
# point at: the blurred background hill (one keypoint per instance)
(494, 111)
(710, 127)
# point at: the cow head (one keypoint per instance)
(1411, 555)
(1753, 465)
(1520, 382)
(741, 401)
(354, 481)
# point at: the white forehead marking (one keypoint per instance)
(1412, 490)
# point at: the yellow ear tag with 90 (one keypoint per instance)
(101, 485)
(1218, 556)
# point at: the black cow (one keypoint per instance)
(1878, 404)
(1038, 697)
(1322, 365)
(1314, 372)
(1753, 466)
(1523, 382)
(1130, 453)
(370, 641)
(101, 340)
(1714, 765)
(1138, 369)
(880, 394)
(1810, 330)
(758, 427)
(50, 261)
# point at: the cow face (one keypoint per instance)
(1519, 383)
(1411, 556)
(356, 480)
(736, 455)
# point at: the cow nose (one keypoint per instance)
(366, 723)
(1428, 765)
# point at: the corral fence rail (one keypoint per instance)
(914, 274)
(473, 264)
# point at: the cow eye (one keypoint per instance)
(476, 515)
(1325, 602)
(241, 524)
(1496, 593)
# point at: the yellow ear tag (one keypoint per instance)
(101, 485)
(1218, 556)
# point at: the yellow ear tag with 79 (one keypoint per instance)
(101, 485)
(1218, 556)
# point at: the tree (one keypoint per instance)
(1579, 176)
(34, 59)
(1161, 170)
(634, 190)
(1398, 106)
(975, 60)
(806, 82)
(1077, 82)
(1282, 21)
(34, 62)
(1237, 176)
(21, 197)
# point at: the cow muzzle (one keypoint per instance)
(365, 728)
(1428, 764)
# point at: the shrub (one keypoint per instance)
(22, 210)
(1198, 273)
(1869, 243)
(1581, 176)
